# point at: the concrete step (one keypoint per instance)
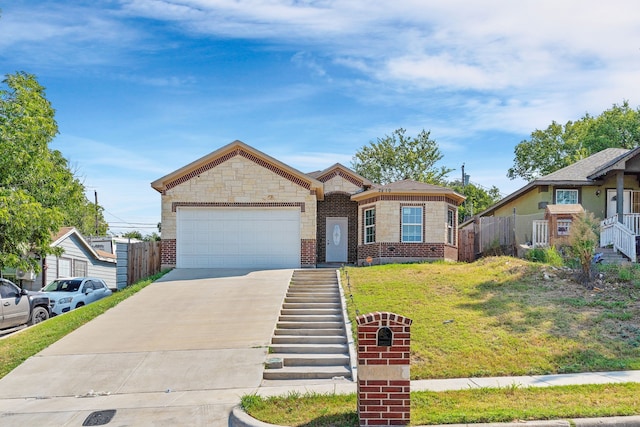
(309, 311)
(306, 373)
(310, 325)
(311, 298)
(308, 331)
(313, 359)
(311, 318)
(309, 348)
(308, 339)
(320, 294)
(325, 289)
(311, 305)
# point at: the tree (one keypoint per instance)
(558, 146)
(38, 192)
(396, 157)
(477, 198)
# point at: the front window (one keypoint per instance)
(566, 197)
(412, 224)
(64, 267)
(451, 218)
(79, 268)
(370, 225)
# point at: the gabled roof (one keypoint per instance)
(409, 187)
(66, 232)
(343, 171)
(581, 173)
(582, 169)
(231, 150)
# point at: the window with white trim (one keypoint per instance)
(566, 197)
(64, 267)
(370, 225)
(412, 224)
(451, 220)
(79, 268)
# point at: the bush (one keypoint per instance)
(583, 240)
(546, 255)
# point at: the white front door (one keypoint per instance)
(612, 203)
(337, 238)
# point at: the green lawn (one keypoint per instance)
(500, 316)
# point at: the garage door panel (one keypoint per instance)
(231, 237)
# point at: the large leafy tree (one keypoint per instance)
(477, 198)
(559, 145)
(398, 156)
(38, 192)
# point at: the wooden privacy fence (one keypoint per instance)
(136, 261)
(497, 232)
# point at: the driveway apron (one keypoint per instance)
(182, 351)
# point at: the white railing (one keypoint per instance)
(540, 234)
(619, 235)
(632, 221)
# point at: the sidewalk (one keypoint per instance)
(341, 386)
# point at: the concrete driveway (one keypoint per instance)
(180, 352)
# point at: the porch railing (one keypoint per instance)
(540, 234)
(621, 236)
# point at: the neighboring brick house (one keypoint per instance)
(240, 208)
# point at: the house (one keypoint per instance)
(78, 259)
(606, 183)
(239, 207)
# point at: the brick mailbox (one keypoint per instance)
(383, 369)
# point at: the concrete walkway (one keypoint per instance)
(182, 352)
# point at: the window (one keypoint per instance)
(566, 197)
(451, 218)
(412, 224)
(64, 267)
(370, 225)
(79, 268)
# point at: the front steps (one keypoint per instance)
(310, 337)
(611, 256)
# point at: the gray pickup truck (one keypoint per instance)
(19, 307)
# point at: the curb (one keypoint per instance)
(239, 418)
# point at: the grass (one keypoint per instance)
(481, 405)
(500, 316)
(496, 317)
(18, 347)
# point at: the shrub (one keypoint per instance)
(583, 239)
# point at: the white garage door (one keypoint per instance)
(238, 238)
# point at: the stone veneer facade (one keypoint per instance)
(388, 246)
(239, 181)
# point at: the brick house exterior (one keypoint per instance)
(238, 207)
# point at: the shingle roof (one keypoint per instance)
(580, 170)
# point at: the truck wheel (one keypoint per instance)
(40, 314)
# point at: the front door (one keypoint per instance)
(612, 206)
(336, 239)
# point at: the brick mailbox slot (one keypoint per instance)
(384, 385)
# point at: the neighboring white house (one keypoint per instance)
(78, 259)
(108, 244)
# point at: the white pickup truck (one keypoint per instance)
(19, 307)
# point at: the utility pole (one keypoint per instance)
(95, 193)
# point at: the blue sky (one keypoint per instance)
(143, 87)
